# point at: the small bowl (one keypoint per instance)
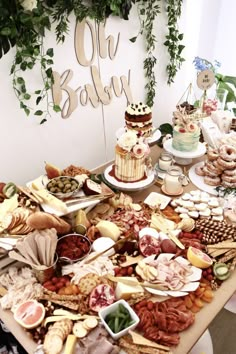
(72, 248)
(113, 307)
(63, 186)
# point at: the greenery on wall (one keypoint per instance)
(24, 24)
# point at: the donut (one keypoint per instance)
(228, 152)
(211, 167)
(212, 154)
(212, 181)
(228, 184)
(208, 172)
(199, 170)
(230, 172)
(228, 165)
(230, 179)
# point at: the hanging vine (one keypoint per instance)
(174, 38)
(23, 25)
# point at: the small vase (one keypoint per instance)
(221, 95)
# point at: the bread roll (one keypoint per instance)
(41, 220)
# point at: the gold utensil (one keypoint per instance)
(88, 198)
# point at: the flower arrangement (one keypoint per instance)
(24, 24)
(134, 144)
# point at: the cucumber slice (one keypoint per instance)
(9, 190)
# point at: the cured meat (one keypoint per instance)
(163, 323)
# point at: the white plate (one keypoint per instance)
(152, 139)
(198, 181)
(71, 208)
(192, 285)
(201, 149)
(135, 186)
(156, 199)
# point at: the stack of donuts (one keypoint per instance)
(220, 167)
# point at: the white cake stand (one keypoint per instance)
(184, 157)
(134, 186)
(151, 139)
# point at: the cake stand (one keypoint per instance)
(184, 157)
(131, 187)
(198, 181)
(151, 139)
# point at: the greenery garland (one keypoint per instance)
(23, 24)
(174, 38)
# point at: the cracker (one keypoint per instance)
(88, 282)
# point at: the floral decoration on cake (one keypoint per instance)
(134, 144)
(184, 123)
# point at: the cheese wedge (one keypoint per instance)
(125, 291)
(108, 229)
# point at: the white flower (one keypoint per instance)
(127, 140)
(29, 5)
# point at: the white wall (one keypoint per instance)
(87, 137)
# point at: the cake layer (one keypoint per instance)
(127, 167)
(185, 141)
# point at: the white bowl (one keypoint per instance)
(113, 307)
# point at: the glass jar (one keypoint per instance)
(165, 161)
(173, 180)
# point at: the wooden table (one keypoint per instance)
(190, 336)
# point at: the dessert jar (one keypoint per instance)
(165, 161)
(173, 180)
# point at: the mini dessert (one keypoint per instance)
(130, 155)
(186, 134)
(138, 118)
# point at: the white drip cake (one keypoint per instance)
(130, 154)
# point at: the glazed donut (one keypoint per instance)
(212, 154)
(212, 181)
(208, 172)
(228, 184)
(228, 152)
(211, 167)
(230, 172)
(217, 165)
(230, 179)
(199, 170)
(228, 165)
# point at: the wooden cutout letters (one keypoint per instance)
(96, 92)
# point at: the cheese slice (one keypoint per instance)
(70, 344)
(125, 291)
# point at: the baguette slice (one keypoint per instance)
(41, 220)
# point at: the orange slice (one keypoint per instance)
(198, 258)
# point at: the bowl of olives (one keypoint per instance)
(63, 186)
